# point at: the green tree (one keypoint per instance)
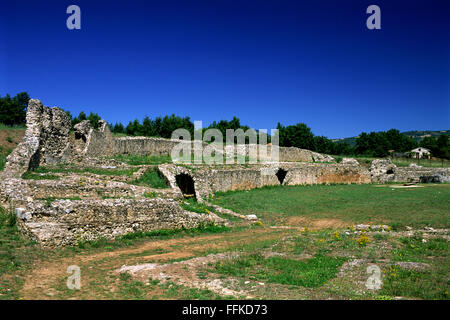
(13, 110)
(443, 148)
(94, 118)
(298, 135)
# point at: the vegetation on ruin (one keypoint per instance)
(29, 175)
(67, 169)
(152, 178)
(193, 205)
(3, 154)
(138, 160)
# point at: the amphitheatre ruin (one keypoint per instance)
(88, 205)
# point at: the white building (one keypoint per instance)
(420, 153)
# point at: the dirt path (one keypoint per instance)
(45, 279)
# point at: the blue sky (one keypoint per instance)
(262, 61)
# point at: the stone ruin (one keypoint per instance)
(76, 204)
(46, 140)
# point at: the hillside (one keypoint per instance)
(9, 138)
(417, 135)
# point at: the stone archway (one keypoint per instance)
(186, 184)
(281, 174)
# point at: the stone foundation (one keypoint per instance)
(67, 222)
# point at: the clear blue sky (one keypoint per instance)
(263, 61)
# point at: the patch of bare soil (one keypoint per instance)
(185, 273)
(47, 275)
(9, 139)
(316, 224)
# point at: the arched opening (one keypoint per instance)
(281, 174)
(390, 171)
(186, 185)
(430, 179)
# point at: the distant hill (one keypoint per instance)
(417, 135)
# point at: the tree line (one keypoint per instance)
(373, 144)
(13, 109)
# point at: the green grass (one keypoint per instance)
(99, 171)
(142, 160)
(415, 284)
(434, 163)
(130, 238)
(427, 206)
(16, 255)
(4, 152)
(29, 175)
(152, 178)
(311, 273)
(14, 127)
(194, 206)
(414, 249)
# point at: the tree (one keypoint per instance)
(94, 118)
(13, 110)
(443, 147)
(378, 144)
(298, 135)
(118, 128)
(439, 147)
(81, 117)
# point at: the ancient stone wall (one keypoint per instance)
(101, 142)
(383, 170)
(46, 140)
(210, 179)
(143, 146)
(66, 222)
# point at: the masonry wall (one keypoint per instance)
(143, 146)
(209, 180)
(413, 174)
(66, 222)
(46, 140)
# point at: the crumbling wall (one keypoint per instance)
(66, 222)
(383, 170)
(143, 146)
(211, 179)
(285, 154)
(46, 140)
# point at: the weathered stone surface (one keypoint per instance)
(66, 222)
(350, 161)
(46, 140)
(82, 130)
(54, 139)
(210, 179)
(382, 170)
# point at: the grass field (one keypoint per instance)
(423, 206)
(279, 258)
